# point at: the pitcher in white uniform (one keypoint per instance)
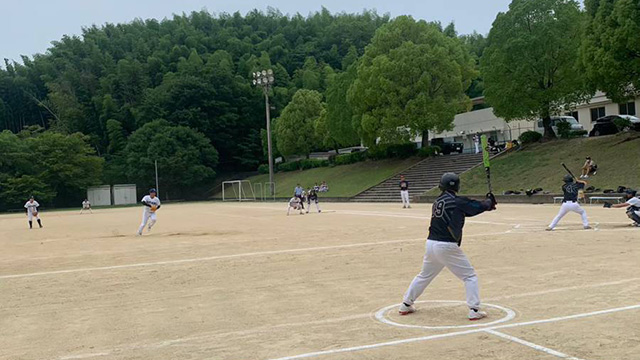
(32, 212)
(151, 204)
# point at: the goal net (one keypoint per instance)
(238, 190)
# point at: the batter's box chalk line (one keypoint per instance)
(381, 316)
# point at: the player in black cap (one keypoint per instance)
(632, 204)
(571, 189)
(443, 245)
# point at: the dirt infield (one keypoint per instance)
(243, 281)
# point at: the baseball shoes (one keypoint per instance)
(404, 207)
(588, 227)
(139, 233)
(406, 309)
(549, 229)
(476, 314)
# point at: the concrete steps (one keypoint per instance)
(422, 177)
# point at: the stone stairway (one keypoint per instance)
(422, 177)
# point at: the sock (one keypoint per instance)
(30, 224)
(39, 223)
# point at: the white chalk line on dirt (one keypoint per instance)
(170, 342)
(458, 333)
(532, 345)
(221, 257)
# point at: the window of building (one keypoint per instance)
(597, 113)
(628, 108)
(572, 113)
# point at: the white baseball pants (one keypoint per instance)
(567, 207)
(146, 216)
(438, 255)
(404, 194)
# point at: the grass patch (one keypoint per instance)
(538, 166)
(343, 180)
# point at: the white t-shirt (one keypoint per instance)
(86, 204)
(147, 199)
(31, 206)
(634, 201)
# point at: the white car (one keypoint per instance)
(634, 120)
(575, 125)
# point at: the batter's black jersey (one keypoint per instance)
(448, 214)
(404, 185)
(571, 191)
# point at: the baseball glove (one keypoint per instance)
(607, 204)
(154, 208)
(35, 213)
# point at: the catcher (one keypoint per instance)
(151, 204)
(32, 211)
(632, 204)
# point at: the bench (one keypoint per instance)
(618, 199)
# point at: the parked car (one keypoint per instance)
(448, 147)
(575, 125)
(635, 121)
(605, 126)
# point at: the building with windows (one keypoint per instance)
(484, 121)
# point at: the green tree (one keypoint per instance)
(295, 128)
(530, 63)
(411, 80)
(611, 47)
(338, 119)
(15, 191)
(185, 157)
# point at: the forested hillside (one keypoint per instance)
(192, 71)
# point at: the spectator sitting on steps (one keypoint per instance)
(589, 168)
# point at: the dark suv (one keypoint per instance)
(605, 126)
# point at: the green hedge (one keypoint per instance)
(529, 137)
(387, 151)
(302, 165)
(263, 169)
(429, 151)
(350, 158)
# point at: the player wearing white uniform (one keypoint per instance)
(296, 204)
(443, 245)
(404, 192)
(632, 204)
(570, 202)
(151, 203)
(86, 205)
(32, 211)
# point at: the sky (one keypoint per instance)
(28, 27)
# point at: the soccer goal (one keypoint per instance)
(238, 190)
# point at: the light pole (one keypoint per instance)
(265, 80)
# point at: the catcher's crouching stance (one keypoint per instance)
(632, 204)
(443, 245)
(151, 204)
(296, 204)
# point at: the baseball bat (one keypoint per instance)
(569, 171)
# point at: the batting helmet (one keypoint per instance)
(152, 190)
(568, 178)
(450, 181)
(631, 193)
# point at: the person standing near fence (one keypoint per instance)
(404, 192)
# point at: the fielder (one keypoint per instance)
(32, 211)
(632, 204)
(86, 205)
(570, 202)
(296, 204)
(151, 203)
(443, 245)
(312, 196)
(404, 192)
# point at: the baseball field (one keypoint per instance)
(244, 281)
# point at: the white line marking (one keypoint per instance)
(532, 345)
(440, 336)
(211, 258)
(380, 316)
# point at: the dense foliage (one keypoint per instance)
(530, 63)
